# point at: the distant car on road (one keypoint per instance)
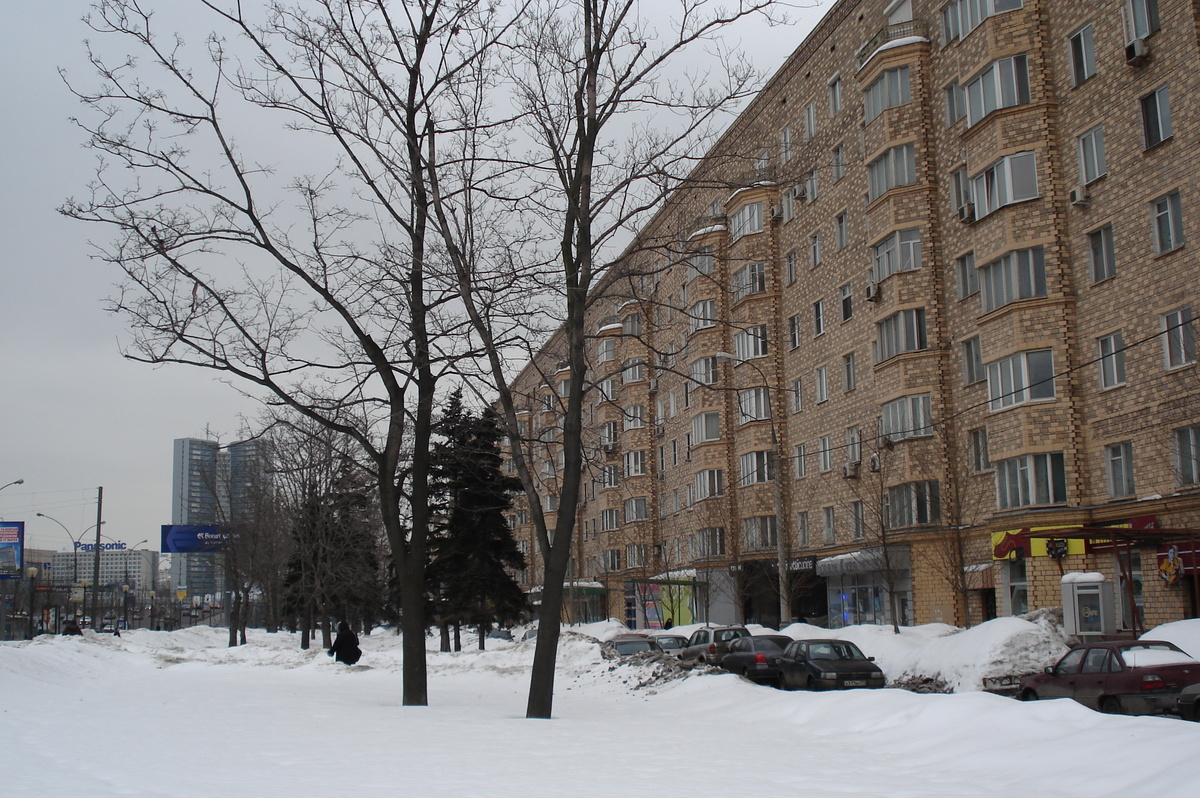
(1143, 677)
(756, 657)
(709, 643)
(825, 664)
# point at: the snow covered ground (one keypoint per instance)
(179, 714)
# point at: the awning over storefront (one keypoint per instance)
(980, 576)
(865, 561)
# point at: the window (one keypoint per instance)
(635, 417)
(550, 503)
(1017, 275)
(825, 454)
(956, 102)
(810, 120)
(746, 220)
(710, 542)
(608, 433)
(1023, 377)
(797, 395)
(1003, 84)
(847, 297)
(610, 520)
(818, 317)
(606, 390)
(889, 90)
(1187, 455)
(636, 509)
(1083, 55)
(1179, 338)
(849, 377)
(789, 267)
(822, 385)
(606, 350)
(608, 476)
(1112, 360)
(1141, 18)
(1168, 223)
(793, 332)
(709, 483)
(962, 190)
(762, 165)
(853, 445)
(907, 417)
(706, 426)
(835, 94)
(799, 467)
(968, 276)
(749, 280)
(1156, 117)
(1102, 258)
(838, 163)
(635, 555)
(1011, 179)
(828, 525)
(1031, 480)
(634, 370)
(754, 404)
(913, 504)
(703, 315)
(961, 17)
(896, 167)
(899, 252)
(814, 250)
(980, 461)
(1118, 461)
(756, 467)
(841, 229)
(899, 333)
(787, 204)
(750, 343)
(612, 559)
(700, 262)
(1091, 155)
(632, 325)
(785, 144)
(760, 532)
(857, 520)
(802, 529)
(704, 370)
(635, 463)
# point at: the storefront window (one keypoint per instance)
(1018, 588)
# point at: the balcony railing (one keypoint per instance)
(890, 33)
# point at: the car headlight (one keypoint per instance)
(829, 675)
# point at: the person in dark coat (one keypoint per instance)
(71, 628)
(345, 646)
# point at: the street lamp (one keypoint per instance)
(785, 608)
(74, 540)
(32, 573)
(14, 482)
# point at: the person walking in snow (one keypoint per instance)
(345, 646)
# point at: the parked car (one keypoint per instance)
(827, 665)
(1188, 704)
(709, 643)
(670, 643)
(633, 644)
(1142, 677)
(756, 657)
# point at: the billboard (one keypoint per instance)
(12, 549)
(191, 538)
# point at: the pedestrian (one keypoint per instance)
(71, 627)
(345, 646)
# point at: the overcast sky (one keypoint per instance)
(75, 415)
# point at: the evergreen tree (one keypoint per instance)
(472, 546)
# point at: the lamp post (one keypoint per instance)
(14, 482)
(75, 542)
(32, 573)
(785, 608)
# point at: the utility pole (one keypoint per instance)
(96, 560)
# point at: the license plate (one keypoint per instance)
(855, 682)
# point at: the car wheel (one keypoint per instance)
(808, 685)
(1110, 706)
(1029, 695)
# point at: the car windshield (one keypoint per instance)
(766, 644)
(1146, 656)
(633, 646)
(834, 649)
(729, 634)
(670, 642)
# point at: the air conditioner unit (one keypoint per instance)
(652, 385)
(1079, 195)
(966, 213)
(776, 212)
(873, 462)
(799, 192)
(850, 470)
(609, 448)
(1136, 52)
(873, 292)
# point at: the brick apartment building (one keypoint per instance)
(915, 338)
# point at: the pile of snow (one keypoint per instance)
(1185, 634)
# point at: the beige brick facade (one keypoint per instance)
(896, 236)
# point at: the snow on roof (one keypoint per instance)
(1078, 577)
(703, 231)
(902, 41)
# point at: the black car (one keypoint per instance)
(827, 665)
(627, 644)
(757, 657)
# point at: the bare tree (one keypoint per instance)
(303, 275)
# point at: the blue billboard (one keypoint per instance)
(191, 538)
(12, 549)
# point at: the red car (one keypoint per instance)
(1142, 677)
